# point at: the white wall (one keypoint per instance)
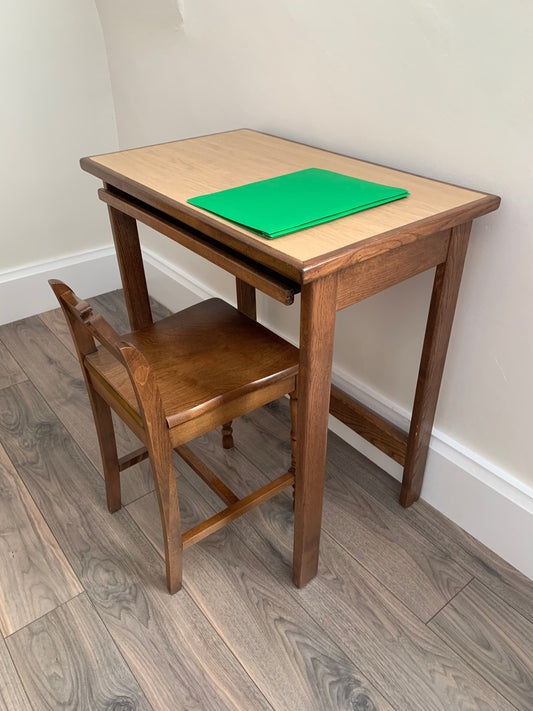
(56, 107)
(441, 88)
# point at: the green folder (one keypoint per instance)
(295, 201)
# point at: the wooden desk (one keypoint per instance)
(333, 265)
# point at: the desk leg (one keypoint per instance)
(439, 325)
(246, 298)
(131, 267)
(246, 305)
(317, 329)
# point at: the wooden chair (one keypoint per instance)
(170, 382)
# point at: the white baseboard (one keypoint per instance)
(25, 291)
(488, 502)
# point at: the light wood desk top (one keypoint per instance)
(164, 176)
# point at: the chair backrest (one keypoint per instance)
(86, 328)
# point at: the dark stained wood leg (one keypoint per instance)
(246, 302)
(227, 435)
(294, 414)
(108, 448)
(167, 496)
(131, 267)
(438, 329)
(317, 329)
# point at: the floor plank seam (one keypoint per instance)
(10, 385)
(45, 614)
(373, 575)
(485, 677)
(448, 539)
(440, 545)
(449, 601)
(138, 498)
(395, 509)
(465, 657)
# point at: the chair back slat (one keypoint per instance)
(80, 314)
(105, 334)
(73, 308)
(86, 328)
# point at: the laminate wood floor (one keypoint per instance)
(408, 612)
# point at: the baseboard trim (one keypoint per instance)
(25, 291)
(485, 500)
(462, 457)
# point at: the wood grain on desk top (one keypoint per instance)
(166, 175)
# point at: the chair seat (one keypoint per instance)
(195, 372)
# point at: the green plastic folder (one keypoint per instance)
(295, 201)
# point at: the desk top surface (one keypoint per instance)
(164, 176)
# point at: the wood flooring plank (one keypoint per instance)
(404, 660)
(36, 577)
(67, 660)
(12, 694)
(420, 574)
(56, 373)
(392, 647)
(10, 371)
(294, 662)
(175, 654)
(55, 322)
(493, 638)
(403, 655)
(497, 574)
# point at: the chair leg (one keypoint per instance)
(294, 410)
(108, 449)
(227, 435)
(167, 496)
